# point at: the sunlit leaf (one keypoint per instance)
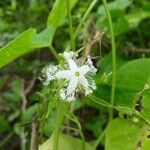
(123, 134)
(65, 143)
(30, 40)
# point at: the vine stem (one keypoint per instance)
(120, 109)
(54, 52)
(59, 120)
(113, 49)
(70, 26)
(84, 17)
(73, 118)
(93, 3)
(99, 139)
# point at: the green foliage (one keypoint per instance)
(131, 80)
(127, 136)
(65, 142)
(30, 40)
(29, 114)
(43, 32)
(4, 126)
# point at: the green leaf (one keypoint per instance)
(50, 123)
(28, 114)
(117, 4)
(20, 46)
(65, 143)
(146, 105)
(131, 79)
(136, 17)
(146, 144)
(123, 134)
(59, 11)
(105, 63)
(4, 126)
(30, 40)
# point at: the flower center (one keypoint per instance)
(77, 73)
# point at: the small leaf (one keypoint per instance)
(4, 126)
(28, 114)
(135, 18)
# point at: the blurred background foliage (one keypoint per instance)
(20, 79)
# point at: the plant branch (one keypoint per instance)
(59, 119)
(54, 52)
(23, 109)
(99, 139)
(34, 135)
(113, 49)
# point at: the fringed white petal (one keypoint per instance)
(65, 96)
(50, 73)
(72, 65)
(64, 74)
(88, 86)
(72, 85)
(84, 69)
(92, 69)
(74, 74)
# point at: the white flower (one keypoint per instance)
(50, 73)
(77, 77)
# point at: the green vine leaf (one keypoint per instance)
(30, 40)
(127, 136)
(65, 143)
(131, 79)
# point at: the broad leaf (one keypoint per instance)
(30, 40)
(21, 45)
(123, 134)
(65, 143)
(131, 79)
(117, 4)
(135, 18)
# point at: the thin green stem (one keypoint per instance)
(70, 25)
(73, 118)
(99, 139)
(80, 130)
(70, 128)
(54, 52)
(82, 21)
(59, 120)
(113, 49)
(84, 17)
(125, 110)
(102, 103)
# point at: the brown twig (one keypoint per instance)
(34, 134)
(23, 109)
(34, 137)
(23, 96)
(92, 41)
(30, 86)
(130, 48)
